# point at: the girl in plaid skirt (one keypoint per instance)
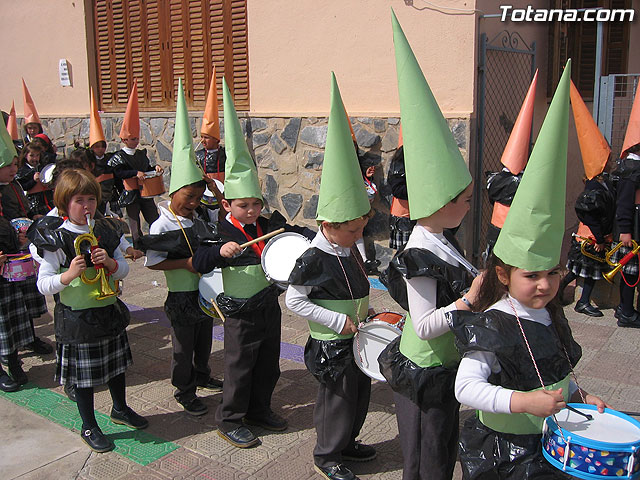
(92, 344)
(15, 322)
(595, 208)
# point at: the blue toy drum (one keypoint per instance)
(604, 447)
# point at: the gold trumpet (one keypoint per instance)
(105, 289)
(623, 261)
(585, 242)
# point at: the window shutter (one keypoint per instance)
(156, 42)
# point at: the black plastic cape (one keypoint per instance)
(597, 205)
(323, 272)
(502, 186)
(420, 262)
(328, 359)
(431, 385)
(46, 234)
(485, 453)
(87, 325)
(423, 386)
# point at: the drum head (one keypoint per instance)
(209, 287)
(610, 427)
(280, 254)
(372, 338)
(46, 175)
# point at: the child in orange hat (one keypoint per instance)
(130, 165)
(211, 157)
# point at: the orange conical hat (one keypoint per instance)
(131, 123)
(516, 152)
(353, 135)
(12, 123)
(632, 137)
(210, 119)
(30, 112)
(593, 147)
(96, 134)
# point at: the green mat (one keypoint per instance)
(136, 445)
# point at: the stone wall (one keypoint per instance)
(288, 151)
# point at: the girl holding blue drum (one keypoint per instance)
(521, 340)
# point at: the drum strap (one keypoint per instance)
(13, 187)
(257, 247)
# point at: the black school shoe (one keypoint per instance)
(628, 321)
(16, 372)
(194, 407)
(241, 437)
(39, 347)
(129, 418)
(358, 452)
(96, 440)
(211, 384)
(588, 309)
(7, 384)
(270, 421)
(336, 472)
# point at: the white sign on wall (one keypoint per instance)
(65, 75)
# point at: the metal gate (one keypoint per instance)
(506, 67)
(617, 93)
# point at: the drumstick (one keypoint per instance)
(263, 237)
(575, 410)
(218, 311)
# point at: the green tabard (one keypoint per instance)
(320, 332)
(243, 282)
(520, 423)
(428, 353)
(181, 280)
(83, 295)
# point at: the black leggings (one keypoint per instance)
(84, 397)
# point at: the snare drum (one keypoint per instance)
(19, 268)
(209, 199)
(280, 254)
(209, 287)
(21, 224)
(46, 175)
(607, 446)
(373, 336)
(152, 184)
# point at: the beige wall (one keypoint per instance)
(35, 35)
(294, 45)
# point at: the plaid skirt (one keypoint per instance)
(585, 267)
(92, 364)
(400, 229)
(16, 329)
(35, 302)
(631, 268)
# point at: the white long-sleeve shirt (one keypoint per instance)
(297, 298)
(428, 321)
(49, 282)
(472, 387)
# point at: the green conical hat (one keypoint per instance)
(531, 237)
(342, 194)
(7, 148)
(184, 170)
(240, 173)
(436, 171)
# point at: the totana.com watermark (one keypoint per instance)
(531, 14)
